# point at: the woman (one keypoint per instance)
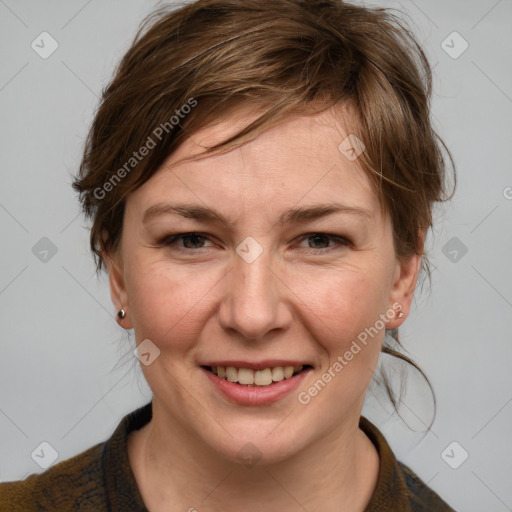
(260, 176)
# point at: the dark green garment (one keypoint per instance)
(101, 480)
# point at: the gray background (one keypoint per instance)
(67, 372)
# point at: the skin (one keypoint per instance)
(287, 304)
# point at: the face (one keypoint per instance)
(265, 277)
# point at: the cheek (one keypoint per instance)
(351, 334)
(342, 306)
(169, 304)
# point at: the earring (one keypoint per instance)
(401, 314)
(121, 314)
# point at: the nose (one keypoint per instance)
(255, 300)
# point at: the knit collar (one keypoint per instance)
(120, 484)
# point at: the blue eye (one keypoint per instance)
(325, 237)
(193, 239)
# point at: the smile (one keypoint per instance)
(255, 387)
(250, 377)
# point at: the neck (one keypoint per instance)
(178, 471)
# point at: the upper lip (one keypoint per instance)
(260, 365)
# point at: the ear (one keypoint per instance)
(404, 283)
(118, 293)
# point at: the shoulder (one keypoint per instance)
(73, 484)
(99, 479)
(422, 498)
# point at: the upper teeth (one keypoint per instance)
(256, 377)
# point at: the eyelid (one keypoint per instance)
(341, 241)
(173, 238)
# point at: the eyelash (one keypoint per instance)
(172, 239)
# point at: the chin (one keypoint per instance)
(258, 443)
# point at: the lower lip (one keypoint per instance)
(256, 395)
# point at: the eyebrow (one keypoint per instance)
(292, 216)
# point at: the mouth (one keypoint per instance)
(263, 377)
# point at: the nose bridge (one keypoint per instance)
(251, 304)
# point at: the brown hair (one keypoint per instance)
(188, 67)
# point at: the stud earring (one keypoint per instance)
(121, 314)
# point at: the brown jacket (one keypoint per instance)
(101, 480)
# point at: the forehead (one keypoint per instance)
(310, 135)
(297, 161)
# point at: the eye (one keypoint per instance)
(321, 239)
(191, 240)
(195, 242)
